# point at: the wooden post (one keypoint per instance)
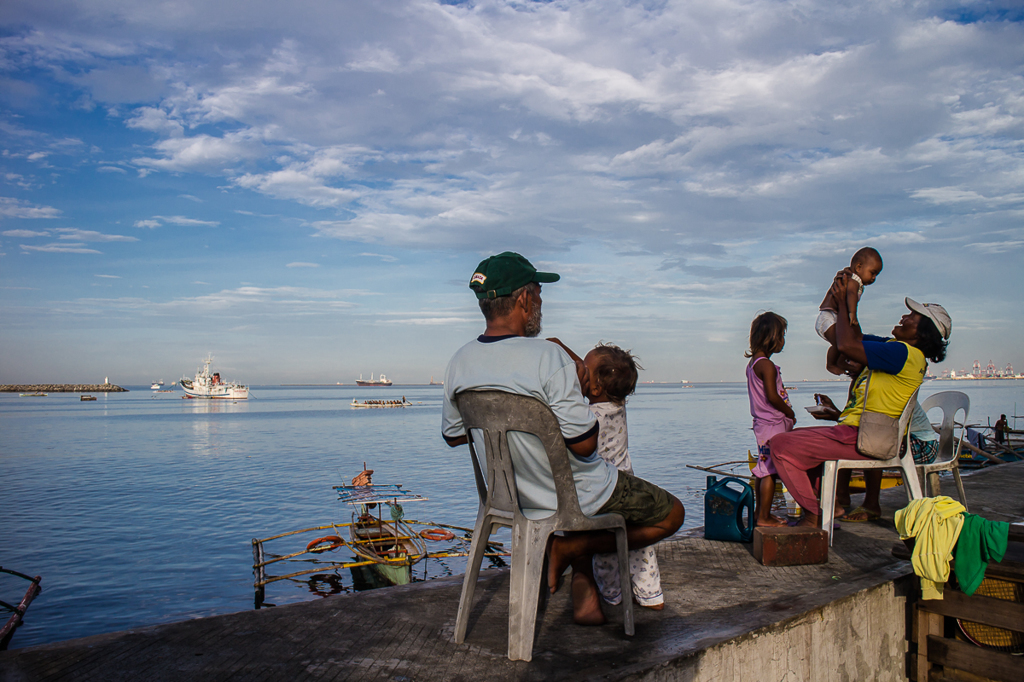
(926, 623)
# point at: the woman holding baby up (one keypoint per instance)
(898, 367)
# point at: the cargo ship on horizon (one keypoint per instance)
(379, 381)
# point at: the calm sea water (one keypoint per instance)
(139, 508)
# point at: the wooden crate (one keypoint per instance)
(937, 653)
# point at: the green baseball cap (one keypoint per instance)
(502, 274)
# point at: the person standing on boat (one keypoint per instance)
(1001, 428)
(508, 356)
(897, 365)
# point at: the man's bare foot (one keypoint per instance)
(772, 522)
(586, 603)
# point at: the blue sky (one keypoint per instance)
(304, 191)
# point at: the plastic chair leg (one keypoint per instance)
(625, 582)
(529, 542)
(828, 497)
(476, 555)
(912, 481)
(960, 487)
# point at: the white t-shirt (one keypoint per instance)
(540, 369)
(613, 441)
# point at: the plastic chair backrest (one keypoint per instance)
(495, 413)
(905, 416)
(950, 402)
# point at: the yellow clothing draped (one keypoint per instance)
(935, 522)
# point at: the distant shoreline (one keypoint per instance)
(352, 385)
(61, 388)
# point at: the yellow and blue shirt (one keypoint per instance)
(897, 370)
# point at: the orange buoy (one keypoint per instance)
(338, 542)
(437, 534)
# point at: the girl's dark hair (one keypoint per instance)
(767, 334)
(617, 373)
(929, 340)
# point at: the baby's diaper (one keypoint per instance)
(826, 318)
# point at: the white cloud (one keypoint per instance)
(384, 257)
(60, 248)
(158, 220)
(92, 236)
(156, 121)
(203, 152)
(108, 276)
(300, 264)
(189, 222)
(15, 208)
(24, 233)
(110, 169)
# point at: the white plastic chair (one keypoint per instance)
(495, 413)
(903, 462)
(948, 457)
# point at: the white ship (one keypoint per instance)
(212, 387)
(380, 381)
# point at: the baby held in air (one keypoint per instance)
(864, 268)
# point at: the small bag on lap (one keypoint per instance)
(878, 435)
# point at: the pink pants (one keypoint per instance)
(798, 455)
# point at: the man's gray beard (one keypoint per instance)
(533, 324)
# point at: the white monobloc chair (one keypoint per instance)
(495, 413)
(904, 462)
(948, 457)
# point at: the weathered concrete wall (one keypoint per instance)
(858, 638)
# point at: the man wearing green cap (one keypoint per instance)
(508, 356)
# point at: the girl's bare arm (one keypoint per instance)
(769, 376)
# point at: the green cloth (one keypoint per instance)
(981, 541)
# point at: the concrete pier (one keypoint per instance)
(726, 618)
(61, 388)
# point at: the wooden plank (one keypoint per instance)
(985, 610)
(994, 665)
(979, 451)
(925, 624)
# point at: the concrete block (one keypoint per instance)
(790, 546)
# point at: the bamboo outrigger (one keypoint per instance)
(389, 547)
(17, 612)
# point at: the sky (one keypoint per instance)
(304, 189)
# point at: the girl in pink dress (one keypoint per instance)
(769, 406)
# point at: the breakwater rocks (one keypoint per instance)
(61, 388)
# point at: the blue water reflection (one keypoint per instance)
(139, 508)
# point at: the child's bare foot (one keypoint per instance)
(586, 602)
(654, 607)
(772, 522)
(810, 520)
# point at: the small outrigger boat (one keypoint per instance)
(380, 403)
(388, 547)
(391, 545)
(17, 612)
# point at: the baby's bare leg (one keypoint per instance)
(830, 336)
